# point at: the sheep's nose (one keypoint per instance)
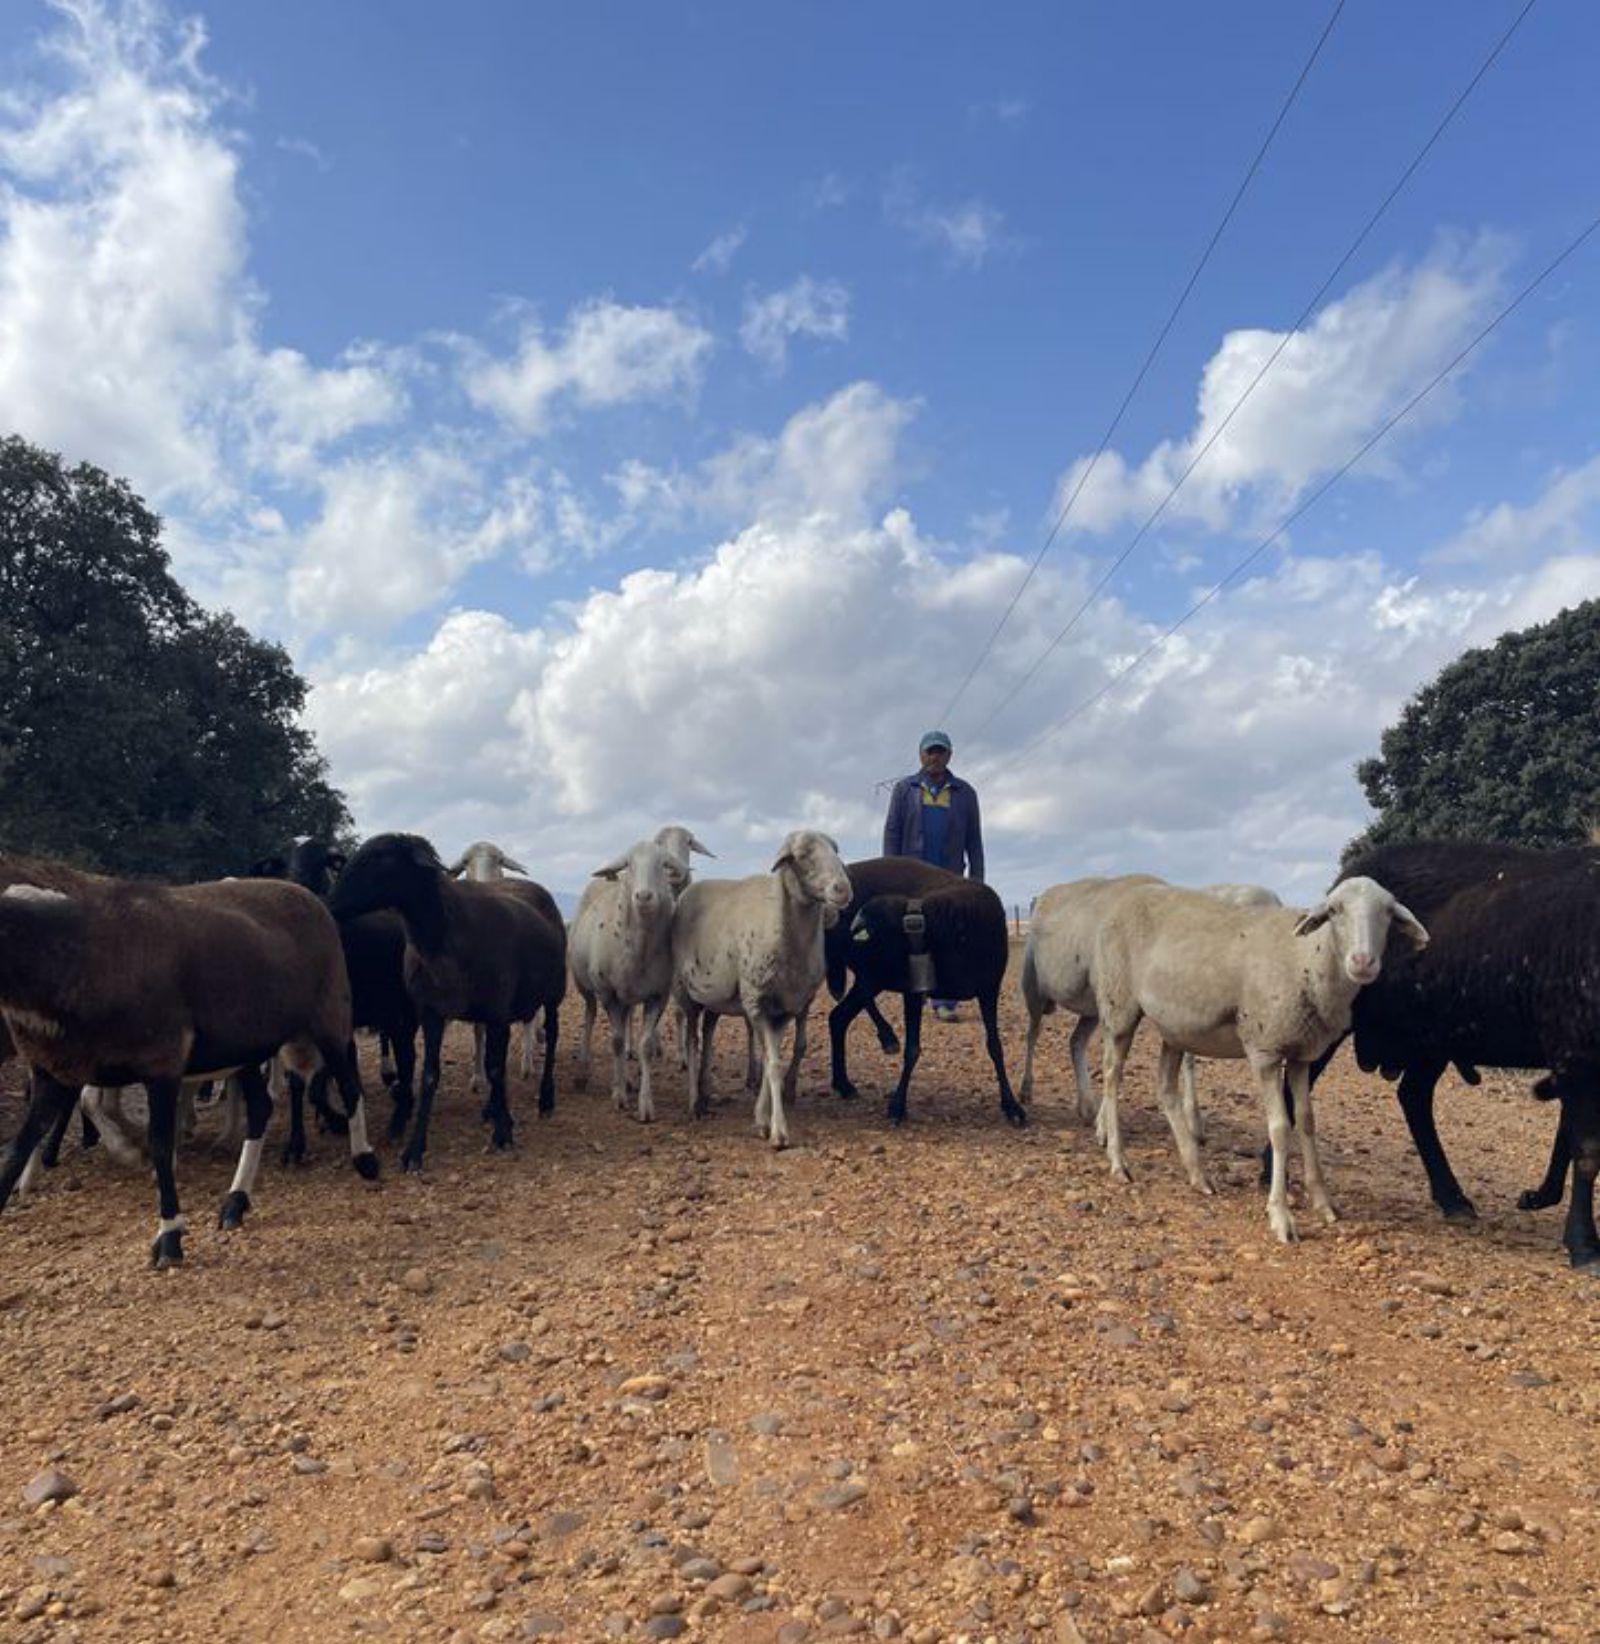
(645, 898)
(1362, 967)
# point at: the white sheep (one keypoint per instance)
(753, 948)
(1271, 986)
(1057, 969)
(620, 951)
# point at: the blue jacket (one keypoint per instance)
(902, 829)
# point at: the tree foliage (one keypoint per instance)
(1504, 744)
(139, 734)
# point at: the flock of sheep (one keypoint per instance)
(1431, 954)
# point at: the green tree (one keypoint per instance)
(139, 734)
(1504, 744)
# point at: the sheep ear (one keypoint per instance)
(457, 868)
(784, 857)
(269, 867)
(513, 864)
(336, 861)
(695, 845)
(611, 869)
(1313, 919)
(1411, 927)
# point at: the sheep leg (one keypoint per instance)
(328, 1118)
(585, 1045)
(387, 1067)
(496, 1053)
(617, 1013)
(1172, 1106)
(791, 1074)
(1030, 1044)
(1298, 1075)
(1580, 1118)
(649, 1050)
(1088, 1107)
(697, 1034)
(527, 1049)
(1117, 1046)
(403, 1083)
(1191, 1100)
(258, 1111)
(167, 1248)
(909, 1058)
(888, 1040)
(50, 1151)
(46, 1101)
(480, 1067)
(754, 1064)
(1270, 1080)
(839, 1021)
(989, 1010)
(340, 1061)
(432, 1038)
(768, 1034)
(552, 1034)
(294, 1146)
(1554, 1186)
(1416, 1102)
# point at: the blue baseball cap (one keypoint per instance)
(934, 739)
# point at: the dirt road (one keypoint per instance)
(948, 1383)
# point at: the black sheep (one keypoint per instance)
(374, 954)
(873, 876)
(964, 935)
(1507, 980)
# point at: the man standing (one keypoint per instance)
(934, 815)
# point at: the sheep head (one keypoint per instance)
(1361, 913)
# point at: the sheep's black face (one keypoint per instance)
(877, 932)
(313, 863)
(387, 872)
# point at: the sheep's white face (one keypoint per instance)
(646, 875)
(1360, 913)
(815, 860)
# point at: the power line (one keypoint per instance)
(1149, 359)
(1271, 360)
(1267, 541)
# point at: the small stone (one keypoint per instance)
(274, 1321)
(559, 1525)
(1254, 1531)
(119, 1406)
(480, 1487)
(666, 1604)
(159, 1575)
(665, 1626)
(431, 1541)
(840, 1496)
(516, 1352)
(309, 1466)
(32, 1604)
(768, 1424)
(362, 1589)
(645, 1387)
(543, 1626)
(1337, 1597)
(1188, 1588)
(373, 1549)
(748, 1566)
(794, 1632)
(1307, 1570)
(729, 1588)
(418, 1280)
(1431, 1284)
(1152, 1601)
(50, 1485)
(1509, 1542)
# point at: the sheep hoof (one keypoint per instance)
(897, 1115)
(890, 1044)
(845, 1091)
(1203, 1184)
(1327, 1212)
(292, 1155)
(1284, 1230)
(167, 1251)
(1463, 1210)
(1536, 1198)
(500, 1142)
(411, 1163)
(1015, 1113)
(547, 1103)
(366, 1165)
(231, 1217)
(1586, 1261)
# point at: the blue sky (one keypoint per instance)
(632, 413)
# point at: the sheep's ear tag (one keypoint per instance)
(862, 935)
